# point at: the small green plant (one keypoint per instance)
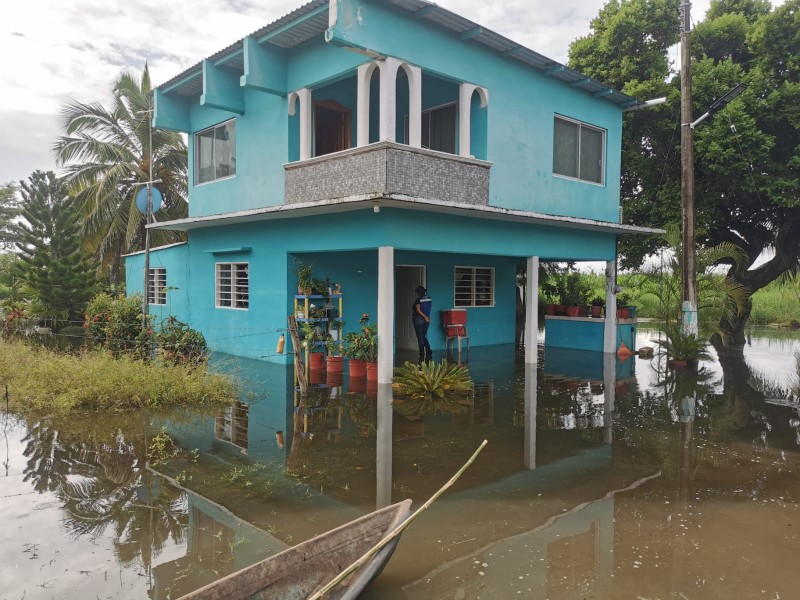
(682, 346)
(161, 449)
(598, 301)
(304, 279)
(432, 389)
(180, 343)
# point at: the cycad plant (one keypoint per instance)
(105, 153)
(431, 388)
(683, 346)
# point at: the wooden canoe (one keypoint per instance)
(298, 572)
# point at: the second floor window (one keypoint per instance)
(233, 285)
(474, 286)
(215, 152)
(157, 286)
(578, 150)
(438, 128)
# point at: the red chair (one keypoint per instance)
(454, 323)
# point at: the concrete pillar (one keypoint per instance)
(610, 328)
(465, 91)
(530, 416)
(532, 311)
(385, 314)
(303, 98)
(415, 106)
(388, 100)
(609, 395)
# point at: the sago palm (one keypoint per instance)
(105, 153)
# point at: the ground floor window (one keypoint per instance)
(233, 285)
(157, 286)
(474, 286)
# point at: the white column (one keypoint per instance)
(415, 106)
(464, 108)
(303, 97)
(532, 310)
(388, 99)
(385, 313)
(610, 325)
(362, 103)
(530, 416)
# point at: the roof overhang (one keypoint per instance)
(353, 203)
(311, 21)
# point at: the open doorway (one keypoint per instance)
(331, 127)
(406, 280)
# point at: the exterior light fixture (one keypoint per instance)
(376, 208)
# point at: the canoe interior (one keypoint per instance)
(298, 572)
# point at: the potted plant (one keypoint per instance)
(597, 306)
(312, 335)
(369, 345)
(304, 279)
(682, 349)
(335, 360)
(622, 306)
(575, 294)
(352, 350)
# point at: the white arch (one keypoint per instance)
(414, 75)
(465, 91)
(364, 76)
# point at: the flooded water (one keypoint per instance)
(602, 479)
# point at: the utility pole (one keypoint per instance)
(688, 266)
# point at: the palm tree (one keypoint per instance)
(105, 153)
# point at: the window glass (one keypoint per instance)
(232, 285)
(216, 152)
(157, 286)
(473, 286)
(578, 150)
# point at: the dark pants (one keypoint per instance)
(421, 329)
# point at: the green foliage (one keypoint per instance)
(564, 285)
(180, 343)
(776, 304)
(9, 210)
(42, 380)
(104, 153)
(58, 275)
(162, 449)
(116, 324)
(432, 380)
(362, 344)
(682, 346)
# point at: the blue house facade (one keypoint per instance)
(388, 144)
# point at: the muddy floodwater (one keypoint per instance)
(603, 478)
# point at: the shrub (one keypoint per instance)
(432, 380)
(180, 343)
(116, 323)
(683, 346)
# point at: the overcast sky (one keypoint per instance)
(55, 50)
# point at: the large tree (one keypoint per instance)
(52, 262)
(747, 159)
(9, 210)
(105, 153)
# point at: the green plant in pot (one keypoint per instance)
(623, 310)
(575, 293)
(312, 335)
(304, 278)
(682, 349)
(597, 306)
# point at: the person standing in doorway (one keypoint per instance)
(421, 317)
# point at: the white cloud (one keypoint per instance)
(55, 50)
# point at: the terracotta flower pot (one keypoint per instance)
(550, 309)
(334, 378)
(316, 376)
(623, 313)
(372, 371)
(572, 311)
(316, 360)
(358, 367)
(596, 311)
(335, 364)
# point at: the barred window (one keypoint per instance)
(157, 286)
(215, 152)
(233, 285)
(474, 286)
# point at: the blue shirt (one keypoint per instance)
(424, 303)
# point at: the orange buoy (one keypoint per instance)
(623, 350)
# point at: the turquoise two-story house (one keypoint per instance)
(388, 144)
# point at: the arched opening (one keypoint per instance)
(293, 150)
(478, 123)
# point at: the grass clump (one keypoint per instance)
(42, 380)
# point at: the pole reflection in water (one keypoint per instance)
(530, 415)
(383, 447)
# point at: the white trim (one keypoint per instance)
(197, 185)
(532, 310)
(581, 124)
(156, 291)
(156, 248)
(386, 316)
(197, 153)
(234, 296)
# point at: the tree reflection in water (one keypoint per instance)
(105, 483)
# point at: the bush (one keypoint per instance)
(116, 324)
(180, 343)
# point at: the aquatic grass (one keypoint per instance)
(42, 380)
(775, 304)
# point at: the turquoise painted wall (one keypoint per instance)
(175, 259)
(519, 118)
(342, 245)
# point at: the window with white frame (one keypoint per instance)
(474, 286)
(438, 128)
(157, 286)
(215, 152)
(578, 150)
(233, 285)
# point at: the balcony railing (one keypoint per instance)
(388, 169)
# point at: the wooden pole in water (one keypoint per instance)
(396, 531)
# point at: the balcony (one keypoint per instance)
(388, 169)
